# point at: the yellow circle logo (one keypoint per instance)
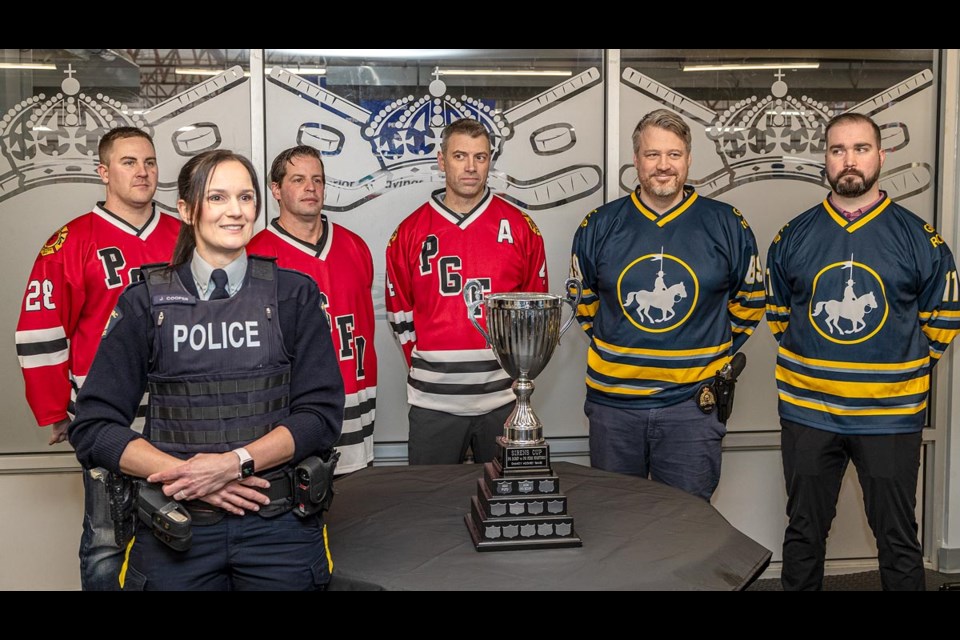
(658, 292)
(848, 299)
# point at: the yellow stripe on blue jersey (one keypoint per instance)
(671, 354)
(754, 314)
(836, 409)
(910, 366)
(851, 389)
(676, 375)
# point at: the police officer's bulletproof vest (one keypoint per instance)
(220, 377)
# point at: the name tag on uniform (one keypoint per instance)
(174, 298)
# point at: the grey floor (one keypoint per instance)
(864, 581)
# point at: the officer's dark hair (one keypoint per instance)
(278, 170)
(192, 185)
(852, 118)
(119, 133)
(467, 127)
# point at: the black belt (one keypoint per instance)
(280, 493)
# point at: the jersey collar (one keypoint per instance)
(462, 220)
(141, 232)
(319, 250)
(852, 225)
(689, 197)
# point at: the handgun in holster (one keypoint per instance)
(725, 383)
(167, 518)
(313, 484)
(122, 492)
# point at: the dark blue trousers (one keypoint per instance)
(239, 553)
(678, 445)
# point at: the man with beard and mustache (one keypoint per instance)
(672, 288)
(859, 393)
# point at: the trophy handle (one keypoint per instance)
(577, 286)
(473, 297)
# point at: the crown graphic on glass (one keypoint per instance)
(523, 329)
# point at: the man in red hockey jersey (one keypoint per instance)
(459, 396)
(303, 239)
(70, 294)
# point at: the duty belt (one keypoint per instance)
(280, 493)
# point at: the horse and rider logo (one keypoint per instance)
(670, 298)
(858, 313)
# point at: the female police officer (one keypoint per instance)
(243, 384)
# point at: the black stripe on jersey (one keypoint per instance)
(461, 217)
(354, 412)
(317, 249)
(355, 437)
(138, 230)
(37, 348)
(402, 327)
(475, 366)
(456, 389)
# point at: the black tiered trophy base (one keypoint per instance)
(518, 503)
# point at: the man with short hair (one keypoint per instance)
(459, 396)
(303, 239)
(73, 288)
(672, 288)
(862, 297)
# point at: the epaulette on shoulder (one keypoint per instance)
(262, 267)
(155, 273)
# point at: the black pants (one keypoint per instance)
(437, 437)
(814, 462)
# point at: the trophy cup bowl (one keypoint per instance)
(518, 503)
(523, 329)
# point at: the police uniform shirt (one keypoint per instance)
(202, 270)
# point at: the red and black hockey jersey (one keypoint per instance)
(341, 265)
(73, 288)
(430, 256)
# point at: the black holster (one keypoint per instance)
(122, 492)
(313, 484)
(724, 388)
(169, 521)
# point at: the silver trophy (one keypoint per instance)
(523, 329)
(518, 503)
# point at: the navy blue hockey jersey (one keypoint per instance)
(862, 310)
(667, 299)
